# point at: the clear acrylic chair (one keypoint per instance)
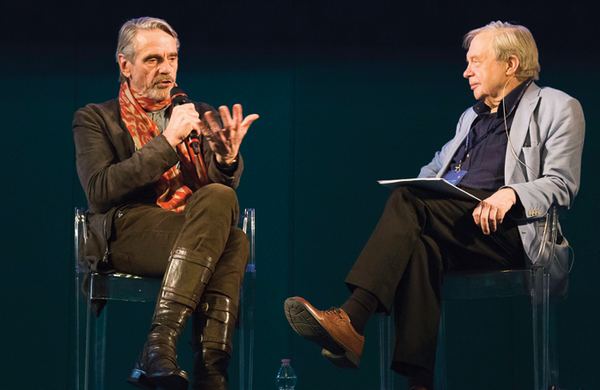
(533, 283)
(91, 331)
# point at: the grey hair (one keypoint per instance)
(508, 40)
(126, 44)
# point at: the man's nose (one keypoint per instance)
(468, 72)
(165, 67)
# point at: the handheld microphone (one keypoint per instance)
(179, 97)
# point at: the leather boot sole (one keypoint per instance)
(172, 381)
(139, 379)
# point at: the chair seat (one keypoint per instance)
(124, 287)
(498, 284)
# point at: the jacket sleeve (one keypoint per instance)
(552, 165)
(109, 176)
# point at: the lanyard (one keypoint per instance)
(468, 145)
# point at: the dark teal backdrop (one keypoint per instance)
(348, 92)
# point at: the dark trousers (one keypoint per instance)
(421, 236)
(144, 235)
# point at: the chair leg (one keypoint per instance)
(553, 358)
(241, 340)
(386, 350)
(250, 326)
(78, 334)
(245, 338)
(540, 311)
(440, 375)
(88, 376)
(88, 324)
(100, 350)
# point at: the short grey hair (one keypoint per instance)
(126, 44)
(508, 40)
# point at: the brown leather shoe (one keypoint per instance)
(330, 329)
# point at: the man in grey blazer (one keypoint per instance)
(519, 150)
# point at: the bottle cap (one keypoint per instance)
(285, 361)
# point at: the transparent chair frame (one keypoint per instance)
(91, 331)
(533, 283)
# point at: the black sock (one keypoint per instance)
(359, 307)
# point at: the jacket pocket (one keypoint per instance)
(531, 162)
(97, 251)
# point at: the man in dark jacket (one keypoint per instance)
(157, 207)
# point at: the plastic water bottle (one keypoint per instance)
(286, 378)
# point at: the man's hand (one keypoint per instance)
(184, 119)
(490, 212)
(226, 142)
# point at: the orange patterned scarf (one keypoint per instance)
(170, 191)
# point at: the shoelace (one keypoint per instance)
(334, 310)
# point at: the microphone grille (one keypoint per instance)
(176, 91)
(178, 96)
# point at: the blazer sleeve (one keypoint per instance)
(109, 176)
(553, 162)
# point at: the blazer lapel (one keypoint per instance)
(519, 130)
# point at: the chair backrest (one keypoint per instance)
(248, 224)
(80, 239)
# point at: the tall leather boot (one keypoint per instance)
(213, 325)
(187, 275)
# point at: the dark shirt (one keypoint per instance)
(483, 153)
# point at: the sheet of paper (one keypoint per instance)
(432, 183)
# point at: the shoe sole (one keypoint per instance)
(341, 361)
(139, 379)
(171, 382)
(304, 323)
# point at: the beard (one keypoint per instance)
(158, 92)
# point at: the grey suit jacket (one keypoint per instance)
(547, 137)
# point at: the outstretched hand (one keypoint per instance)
(490, 212)
(226, 141)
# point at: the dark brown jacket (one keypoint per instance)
(113, 174)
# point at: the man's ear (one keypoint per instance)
(512, 65)
(124, 65)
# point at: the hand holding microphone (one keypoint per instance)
(178, 97)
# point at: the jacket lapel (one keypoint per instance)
(519, 130)
(120, 137)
